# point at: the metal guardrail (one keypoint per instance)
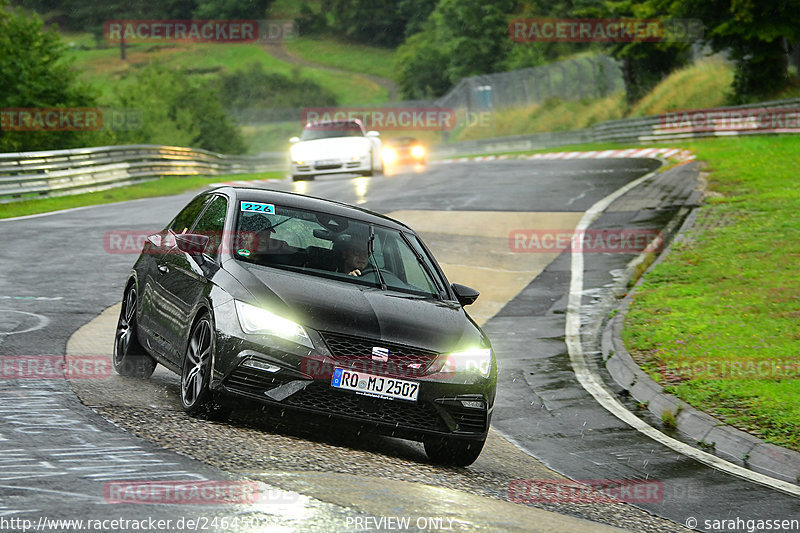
(66, 171)
(641, 130)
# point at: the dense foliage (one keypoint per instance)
(33, 74)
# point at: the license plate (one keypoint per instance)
(328, 162)
(378, 386)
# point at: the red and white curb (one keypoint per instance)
(666, 153)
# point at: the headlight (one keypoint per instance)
(418, 152)
(477, 360)
(260, 321)
(388, 155)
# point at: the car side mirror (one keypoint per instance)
(191, 243)
(464, 294)
(373, 133)
(294, 140)
(155, 240)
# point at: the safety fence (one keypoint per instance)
(66, 171)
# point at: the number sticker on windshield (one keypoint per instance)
(268, 209)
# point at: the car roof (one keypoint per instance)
(316, 123)
(311, 203)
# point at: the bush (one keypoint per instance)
(254, 88)
(177, 110)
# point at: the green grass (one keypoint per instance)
(149, 189)
(103, 68)
(732, 295)
(346, 56)
(704, 84)
(551, 115)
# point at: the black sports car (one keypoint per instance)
(310, 305)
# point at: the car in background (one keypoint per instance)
(250, 293)
(335, 147)
(404, 151)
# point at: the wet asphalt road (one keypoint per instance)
(56, 267)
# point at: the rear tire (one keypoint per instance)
(453, 452)
(130, 359)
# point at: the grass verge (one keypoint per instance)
(149, 189)
(346, 56)
(718, 322)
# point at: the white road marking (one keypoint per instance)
(43, 321)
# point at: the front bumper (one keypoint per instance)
(278, 373)
(330, 166)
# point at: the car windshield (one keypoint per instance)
(334, 247)
(326, 130)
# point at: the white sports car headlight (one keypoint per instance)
(257, 320)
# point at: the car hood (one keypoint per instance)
(350, 309)
(333, 148)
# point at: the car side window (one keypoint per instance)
(212, 224)
(184, 220)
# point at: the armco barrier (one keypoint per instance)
(64, 171)
(641, 130)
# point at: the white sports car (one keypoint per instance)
(335, 147)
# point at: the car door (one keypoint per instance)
(185, 278)
(154, 265)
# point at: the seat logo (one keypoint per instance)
(380, 354)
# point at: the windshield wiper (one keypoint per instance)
(371, 250)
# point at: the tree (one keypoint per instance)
(460, 38)
(755, 36)
(34, 74)
(376, 22)
(232, 9)
(644, 64)
(421, 67)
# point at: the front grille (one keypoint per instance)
(359, 350)
(322, 398)
(327, 166)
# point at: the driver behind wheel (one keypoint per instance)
(353, 257)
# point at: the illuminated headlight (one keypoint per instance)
(260, 321)
(477, 360)
(418, 152)
(388, 155)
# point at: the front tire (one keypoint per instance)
(196, 397)
(309, 177)
(130, 359)
(453, 452)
